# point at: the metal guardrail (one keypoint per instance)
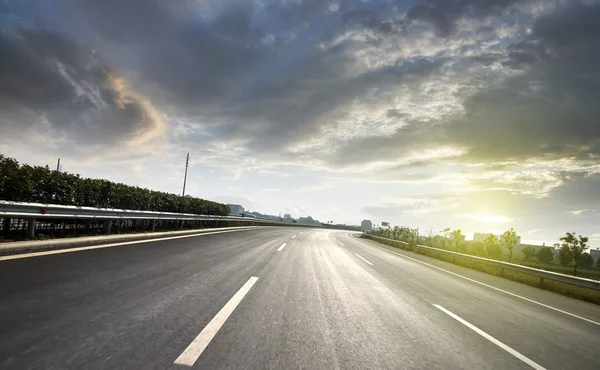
(542, 274)
(37, 211)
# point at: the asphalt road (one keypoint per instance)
(239, 300)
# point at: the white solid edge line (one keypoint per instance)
(199, 344)
(357, 255)
(508, 349)
(79, 249)
(492, 287)
(293, 236)
(281, 248)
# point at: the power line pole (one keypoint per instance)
(187, 159)
(58, 165)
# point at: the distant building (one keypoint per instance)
(385, 224)
(236, 210)
(480, 237)
(307, 221)
(366, 225)
(263, 216)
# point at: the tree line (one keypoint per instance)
(571, 249)
(39, 184)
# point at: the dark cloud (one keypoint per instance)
(297, 119)
(45, 76)
(260, 74)
(256, 69)
(548, 110)
(443, 14)
(413, 137)
(189, 62)
(396, 113)
(488, 58)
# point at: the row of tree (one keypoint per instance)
(24, 183)
(571, 250)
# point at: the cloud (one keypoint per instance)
(271, 190)
(491, 104)
(444, 14)
(547, 110)
(52, 83)
(479, 210)
(543, 110)
(318, 187)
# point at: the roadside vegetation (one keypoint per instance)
(37, 184)
(570, 256)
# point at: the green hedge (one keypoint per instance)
(24, 183)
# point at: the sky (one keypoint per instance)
(470, 114)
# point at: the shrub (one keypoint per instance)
(24, 183)
(528, 252)
(477, 248)
(494, 251)
(545, 255)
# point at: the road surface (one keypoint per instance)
(280, 298)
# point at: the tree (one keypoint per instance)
(509, 239)
(489, 242)
(575, 246)
(586, 261)
(24, 183)
(430, 237)
(478, 248)
(414, 237)
(564, 256)
(456, 237)
(445, 235)
(396, 233)
(528, 252)
(545, 255)
(494, 251)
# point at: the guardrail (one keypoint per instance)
(543, 278)
(33, 212)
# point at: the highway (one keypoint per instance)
(280, 298)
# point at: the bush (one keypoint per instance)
(477, 248)
(528, 252)
(24, 183)
(494, 251)
(586, 261)
(545, 255)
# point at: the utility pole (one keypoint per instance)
(58, 165)
(187, 159)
